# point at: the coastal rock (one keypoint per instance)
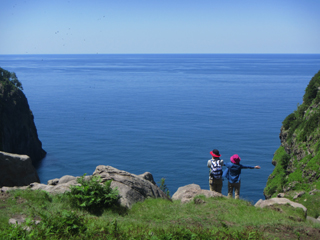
(16, 170)
(188, 192)
(18, 133)
(269, 202)
(132, 188)
(147, 176)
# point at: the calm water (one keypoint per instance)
(161, 113)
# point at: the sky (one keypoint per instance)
(159, 26)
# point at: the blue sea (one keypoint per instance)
(162, 113)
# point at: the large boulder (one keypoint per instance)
(188, 192)
(272, 201)
(16, 170)
(132, 188)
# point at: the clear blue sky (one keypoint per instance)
(159, 26)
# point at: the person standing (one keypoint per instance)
(233, 174)
(215, 176)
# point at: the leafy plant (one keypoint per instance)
(164, 187)
(312, 89)
(61, 223)
(92, 195)
(9, 79)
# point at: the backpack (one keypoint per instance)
(216, 169)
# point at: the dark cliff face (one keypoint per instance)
(297, 160)
(18, 133)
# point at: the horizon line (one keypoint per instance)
(156, 53)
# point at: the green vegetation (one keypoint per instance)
(204, 218)
(93, 196)
(298, 167)
(163, 187)
(9, 80)
(277, 179)
(305, 120)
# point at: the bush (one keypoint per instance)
(9, 79)
(288, 121)
(312, 89)
(164, 187)
(92, 195)
(61, 224)
(309, 126)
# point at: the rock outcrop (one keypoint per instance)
(272, 201)
(16, 170)
(188, 192)
(132, 188)
(18, 133)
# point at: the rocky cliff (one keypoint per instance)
(297, 160)
(18, 133)
(16, 170)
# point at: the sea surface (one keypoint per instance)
(162, 113)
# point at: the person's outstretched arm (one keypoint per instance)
(257, 167)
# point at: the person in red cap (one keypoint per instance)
(233, 173)
(215, 177)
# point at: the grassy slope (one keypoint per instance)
(213, 218)
(298, 158)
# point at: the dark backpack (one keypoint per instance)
(216, 169)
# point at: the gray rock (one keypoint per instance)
(298, 195)
(66, 179)
(22, 219)
(269, 202)
(148, 176)
(312, 192)
(16, 170)
(280, 195)
(314, 220)
(188, 192)
(131, 187)
(17, 220)
(53, 181)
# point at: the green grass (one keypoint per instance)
(277, 178)
(213, 218)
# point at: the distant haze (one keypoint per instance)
(150, 26)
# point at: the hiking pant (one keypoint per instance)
(236, 187)
(215, 185)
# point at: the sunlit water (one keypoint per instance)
(161, 113)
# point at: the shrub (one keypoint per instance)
(288, 121)
(312, 89)
(92, 195)
(164, 187)
(61, 224)
(309, 126)
(9, 79)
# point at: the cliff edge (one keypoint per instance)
(297, 160)
(18, 133)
